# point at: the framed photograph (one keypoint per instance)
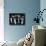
(17, 18)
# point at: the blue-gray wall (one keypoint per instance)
(29, 7)
(43, 6)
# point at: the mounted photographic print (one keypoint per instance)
(16, 18)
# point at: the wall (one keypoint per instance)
(43, 6)
(1, 21)
(29, 7)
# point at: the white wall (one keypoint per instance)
(1, 20)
